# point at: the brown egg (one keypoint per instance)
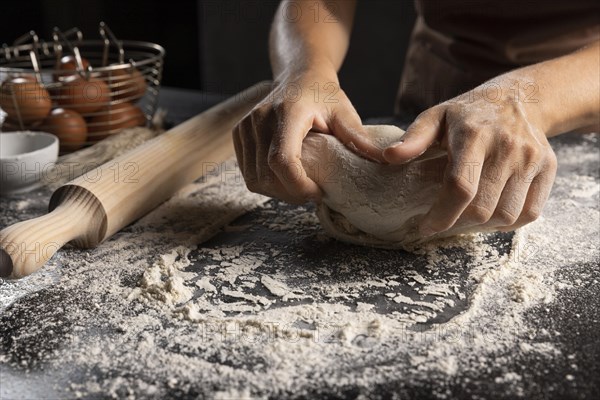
(114, 118)
(25, 98)
(126, 84)
(68, 126)
(68, 67)
(83, 96)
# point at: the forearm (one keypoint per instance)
(564, 93)
(311, 34)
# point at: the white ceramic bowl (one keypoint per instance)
(24, 159)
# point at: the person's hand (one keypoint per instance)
(268, 141)
(500, 166)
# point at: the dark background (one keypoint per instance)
(220, 46)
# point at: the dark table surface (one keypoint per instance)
(580, 335)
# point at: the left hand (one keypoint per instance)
(500, 166)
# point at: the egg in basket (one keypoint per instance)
(79, 90)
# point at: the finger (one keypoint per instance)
(511, 202)
(425, 129)
(461, 180)
(492, 186)
(538, 194)
(348, 128)
(284, 157)
(268, 182)
(276, 190)
(262, 124)
(237, 144)
(248, 149)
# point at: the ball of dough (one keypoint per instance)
(368, 203)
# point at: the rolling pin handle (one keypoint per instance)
(26, 246)
(86, 212)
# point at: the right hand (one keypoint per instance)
(268, 141)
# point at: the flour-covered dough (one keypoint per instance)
(370, 203)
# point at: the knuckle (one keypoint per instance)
(440, 225)
(262, 109)
(460, 186)
(471, 135)
(531, 153)
(469, 130)
(504, 217)
(547, 169)
(454, 110)
(479, 214)
(531, 214)
(433, 111)
(277, 160)
(258, 115)
(507, 142)
(243, 124)
(281, 106)
(278, 106)
(552, 161)
(259, 187)
(289, 170)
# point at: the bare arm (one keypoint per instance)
(569, 91)
(309, 40)
(500, 165)
(311, 34)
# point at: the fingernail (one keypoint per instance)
(369, 157)
(426, 231)
(362, 153)
(395, 144)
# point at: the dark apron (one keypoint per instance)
(458, 44)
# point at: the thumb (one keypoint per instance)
(425, 129)
(346, 125)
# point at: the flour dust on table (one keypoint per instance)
(221, 293)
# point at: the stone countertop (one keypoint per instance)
(30, 367)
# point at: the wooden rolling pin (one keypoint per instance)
(91, 208)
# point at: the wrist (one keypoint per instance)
(528, 97)
(565, 91)
(314, 67)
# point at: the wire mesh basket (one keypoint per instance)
(80, 90)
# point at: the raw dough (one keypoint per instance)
(370, 203)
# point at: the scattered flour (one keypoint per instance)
(279, 288)
(237, 321)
